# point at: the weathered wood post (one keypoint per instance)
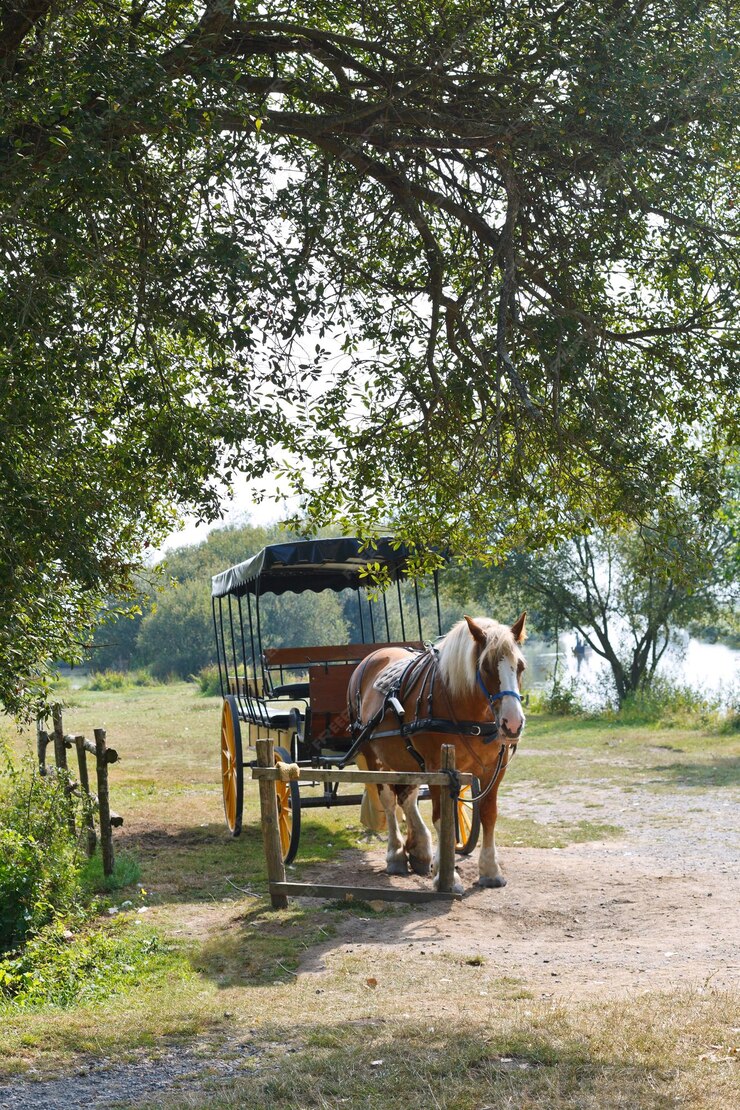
(446, 876)
(87, 802)
(270, 827)
(60, 751)
(106, 831)
(60, 758)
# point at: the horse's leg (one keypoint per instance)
(489, 872)
(418, 837)
(457, 885)
(395, 856)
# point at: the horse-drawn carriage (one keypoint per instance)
(298, 694)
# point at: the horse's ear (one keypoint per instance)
(476, 632)
(518, 630)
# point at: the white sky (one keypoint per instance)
(241, 508)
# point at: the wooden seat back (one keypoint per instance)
(247, 687)
(328, 722)
(333, 653)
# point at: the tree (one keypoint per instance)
(515, 222)
(628, 593)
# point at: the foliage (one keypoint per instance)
(120, 680)
(177, 637)
(61, 968)
(467, 268)
(39, 860)
(626, 593)
(670, 704)
(209, 681)
(562, 699)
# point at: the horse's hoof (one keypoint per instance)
(419, 865)
(396, 867)
(493, 883)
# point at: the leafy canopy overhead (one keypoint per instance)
(469, 267)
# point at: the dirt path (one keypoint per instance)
(655, 908)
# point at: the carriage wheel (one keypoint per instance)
(289, 811)
(467, 819)
(232, 765)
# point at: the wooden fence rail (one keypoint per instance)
(266, 773)
(91, 802)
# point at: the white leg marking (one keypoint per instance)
(419, 839)
(489, 872)
(395, 856)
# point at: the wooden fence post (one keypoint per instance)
(270, 828)
(60, 751)
(60, 758)
(446, 875)
(106, 832)
(87, 804)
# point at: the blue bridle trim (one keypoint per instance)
(492, 698)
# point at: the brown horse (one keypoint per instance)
(469, 682)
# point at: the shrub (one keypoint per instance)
(59, 968)
(122, 680)
(208, 681)
(39, 859)
(670, 703)
(108, 680)
(562, 700)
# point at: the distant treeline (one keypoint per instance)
(173, 632)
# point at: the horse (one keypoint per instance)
(465, 690)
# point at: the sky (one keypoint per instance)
(238, 508)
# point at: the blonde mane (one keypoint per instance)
(458, 653)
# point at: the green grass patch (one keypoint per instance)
(59, 967)
(520, 832)
(126, 872)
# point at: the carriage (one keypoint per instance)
(297, 695)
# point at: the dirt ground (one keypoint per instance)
(655, 908)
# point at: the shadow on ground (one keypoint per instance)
(724, 771)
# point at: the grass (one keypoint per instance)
(641, 1054)
(225, 971)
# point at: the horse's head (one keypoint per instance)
(500, 665)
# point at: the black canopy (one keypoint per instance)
(332, 564)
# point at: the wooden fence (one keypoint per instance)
(91, 802)
(267, 773)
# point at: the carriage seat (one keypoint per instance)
(259, 713)
(304, 657)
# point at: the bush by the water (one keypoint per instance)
(39, 859)
(668, 703)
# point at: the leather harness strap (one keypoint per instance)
(423, 667)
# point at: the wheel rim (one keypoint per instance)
(285, 816)
(467, 818)
(464, 815)
(229, 767)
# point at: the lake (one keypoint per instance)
(713, 669)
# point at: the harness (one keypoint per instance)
(423, 667)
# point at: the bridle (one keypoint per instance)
(493, 698)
